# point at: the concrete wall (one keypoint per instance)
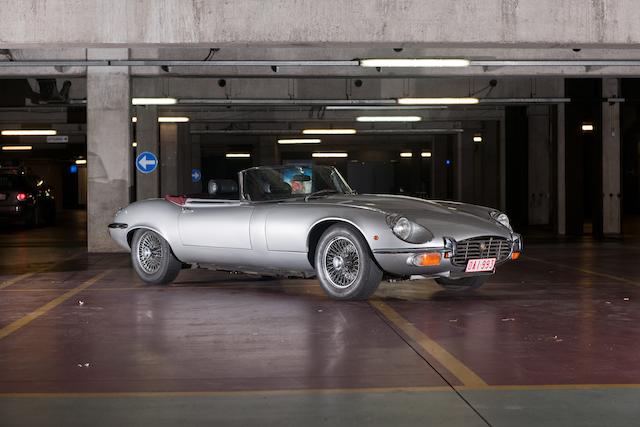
(427, 22)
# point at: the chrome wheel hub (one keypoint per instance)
(341, 262)
(149, 253)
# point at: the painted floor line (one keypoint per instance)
(9, 282)
(25, 320)
(328, 391)
(16, 279)
(584, 270)
(461, 371)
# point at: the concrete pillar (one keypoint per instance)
(168, 158)
(611, 158)
(466, 166)
(561, 179)
(147, 184)
(196, 162)
(108, 146)
(539, 158)
(267, 152)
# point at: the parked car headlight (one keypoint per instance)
(502, 219)
(408, 230)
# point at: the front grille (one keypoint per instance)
(482, 247)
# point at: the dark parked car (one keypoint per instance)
(26, 198)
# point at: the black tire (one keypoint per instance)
(152, 258)
(465, 284)
(350, 273)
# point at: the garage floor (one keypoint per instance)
(552, 340)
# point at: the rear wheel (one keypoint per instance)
(344, 264)
(465, 284)
(152, 258)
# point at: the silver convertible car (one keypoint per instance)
(306, 221)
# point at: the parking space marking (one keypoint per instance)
(16, 279)
(584, 270)
(25, 320)
(9, 282)
(462, 372)
(311, 391)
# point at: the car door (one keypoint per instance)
(216, 224)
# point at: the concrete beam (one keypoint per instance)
(478, 23)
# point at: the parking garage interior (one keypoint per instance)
(533, 121)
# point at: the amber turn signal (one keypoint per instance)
(427, 259)
(515, 255)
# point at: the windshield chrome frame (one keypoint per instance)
(241, 176)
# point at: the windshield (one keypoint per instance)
(287, 182)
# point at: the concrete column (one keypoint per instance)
(611, 158)
(267, 151)
(168, 158)
(196, 162)
(562, 184)
(147, 184)
(108, 146)
(539, 158)
(502, 152)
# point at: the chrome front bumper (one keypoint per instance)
(399, 262)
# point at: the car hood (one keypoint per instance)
(442, 218)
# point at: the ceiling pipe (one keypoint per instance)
(309, 63)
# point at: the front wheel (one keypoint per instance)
(344, 264)
(152, 258)
(465, 284)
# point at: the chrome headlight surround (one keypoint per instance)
(502, 219)
(408, 230)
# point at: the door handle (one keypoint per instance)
(187, 210)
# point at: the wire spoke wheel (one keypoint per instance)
(150, 253)
(341, 262)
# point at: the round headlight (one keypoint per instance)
(402, 228)
(501, 218)
(407, 230)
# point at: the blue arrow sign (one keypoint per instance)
(146, 162)
(196, 175)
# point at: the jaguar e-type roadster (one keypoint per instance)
(305, 221)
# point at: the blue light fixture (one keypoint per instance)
(73, 169)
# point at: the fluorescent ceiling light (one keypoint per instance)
(426, 154)
(29, 132)
(237, 155)
(173, 119)
(329, 131)
(414, 62)
(16, 147)
(406, 154)
(153, 101)
(81, 162)
(437, 101)
(329, 155)
(587, 127)
(383, 107)
(389, 119)
(477, 138)
(134, 119)
(300, 141)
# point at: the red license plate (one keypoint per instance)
(480, 265)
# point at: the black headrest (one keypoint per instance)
(222, 186)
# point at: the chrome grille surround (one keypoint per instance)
(482, 247)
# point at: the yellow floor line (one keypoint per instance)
(584, 270)
(25, 320)
(16, 279)
(293, 392)
(9, 282)
(446, 359)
